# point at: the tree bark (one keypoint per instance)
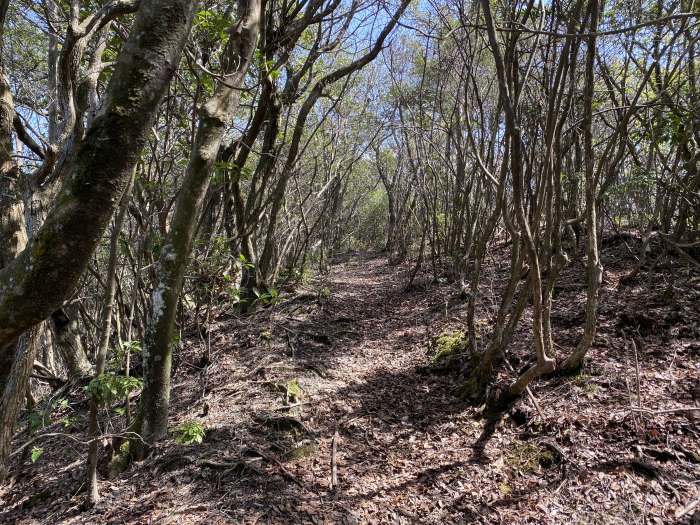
(70, 343)
(103, 345)
(594, 267)
(14, 393)
(214, 116)
(36, 283)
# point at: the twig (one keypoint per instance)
(629, 390)
(229, 465)
(293, 405)
(271, 459)
(664, 411)
(688, 508)
(636, 371)
(334, 463)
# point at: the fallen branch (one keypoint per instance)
(75, 439)
(676, 410)
(529, 393)
(271, 459)
(334, 462)
(688, 508)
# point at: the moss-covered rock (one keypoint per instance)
(300, 452)
(292, 390)
(449, 345)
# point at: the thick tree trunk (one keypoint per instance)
(34, 284)
(16, 358)
(14, 393)
(37, 282)
(214, 116)
(70, 342)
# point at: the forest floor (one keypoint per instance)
(341, 378)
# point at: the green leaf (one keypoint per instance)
(108, 388)
(190, 433)
(36, 453)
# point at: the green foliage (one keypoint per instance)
(636, 180)
(190, 433)
(70, 422)
(371, 221)
(292, 390)
(267, 65)
(37, 452)
(212, 25)
(295, 275)
(671, 128)
(108, 388)
(120, 461)
(36, 421)
(245, 263)
(267, 296)
(120, 352)
(243, 172)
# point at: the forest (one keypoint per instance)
(349, 261)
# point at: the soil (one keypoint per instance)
(348, 366)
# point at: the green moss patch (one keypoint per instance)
(449, 345)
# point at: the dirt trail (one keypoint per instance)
(399, 430)
(407, 450)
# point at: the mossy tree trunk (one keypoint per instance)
(214, 117)
(16, 353)
(36, 282)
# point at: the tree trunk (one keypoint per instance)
(14, 393)
(70, 343)
(35, 284)
(594, 268)
(103, 345)
(214, 116)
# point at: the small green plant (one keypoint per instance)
(244, 263)
(267, 297)
(292, 390)
(120, 460)
(109, 388)
(449, 344)
(581, 379)
(585, 383)
(190, 433)
(120, 352)
(36, 421)
(37, 452)
(505, 489)
(324, 292)
(69, 422)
